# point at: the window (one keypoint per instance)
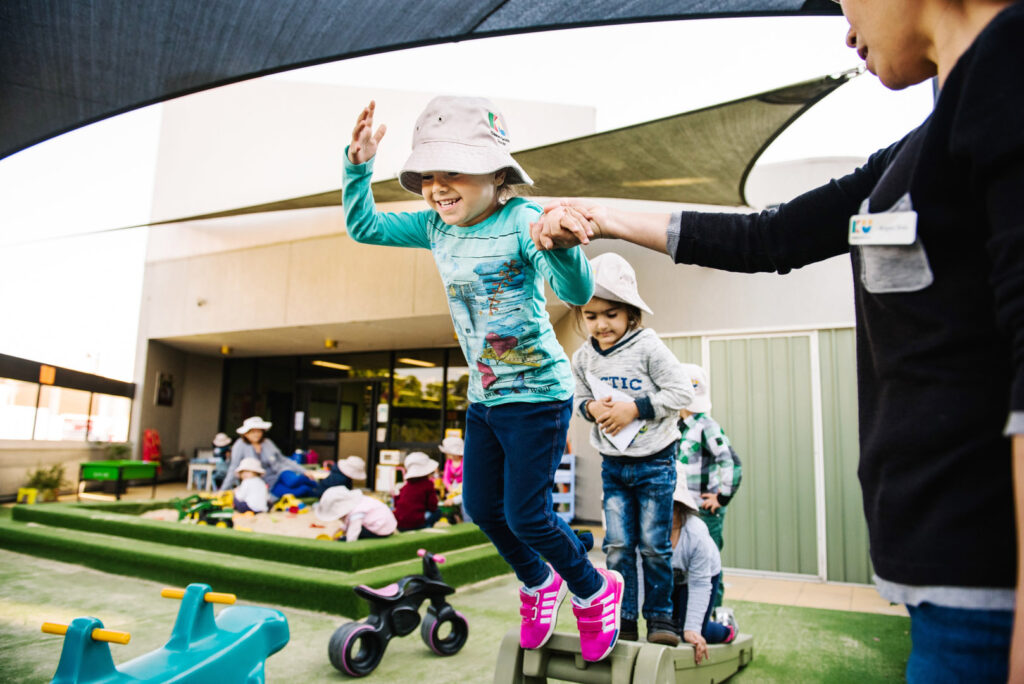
(109, 418)
(17, 408)
(63, 414)
(418, 385)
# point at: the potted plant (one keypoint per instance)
(48, 481)
(118, 451)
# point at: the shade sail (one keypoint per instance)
(699, 157)
(67, 63)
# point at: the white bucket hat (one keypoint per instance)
(615, 280)
(418, 464)
(336, 502)
(462, 134)
(221, 440)
(682, 492)
(253, 423)
(251, 464)
(453, 446)
(353, 467)
(701, 389)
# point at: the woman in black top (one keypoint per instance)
(934, 226)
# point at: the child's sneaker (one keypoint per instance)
(598, 622)
(539, 608)
(662, 631)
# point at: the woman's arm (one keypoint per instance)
(237, 454)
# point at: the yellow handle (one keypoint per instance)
(98, 634)
(209, 597)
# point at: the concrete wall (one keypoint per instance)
(200, 402)
(166, 420)
(18, 458)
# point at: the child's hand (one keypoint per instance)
(700, 645)
(562, 226)
(617, 415)
(710, 502)
(364, 141)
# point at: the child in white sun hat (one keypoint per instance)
(251, 494)
(630, 386)
(521, 385)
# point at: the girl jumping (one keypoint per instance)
(521, 384)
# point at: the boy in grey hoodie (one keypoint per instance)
(630, 385)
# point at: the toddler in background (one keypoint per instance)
(416, 502)
(363, 517)
(251, 494)
(697, 571)
(627, 380)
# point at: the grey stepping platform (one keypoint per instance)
(630, 662)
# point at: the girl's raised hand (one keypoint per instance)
(364, 141)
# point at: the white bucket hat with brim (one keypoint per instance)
(221, 440)
(253, 423)
(682, 492)
(251, 464)
(336, 502)
(453, 446)
(461, 135)
(418, 464)
(353, 467)
(701, 389)
(615, 280)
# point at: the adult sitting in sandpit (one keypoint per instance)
(254, 443)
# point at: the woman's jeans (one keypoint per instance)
(713, 632)
(512, 453)
(958, 645)
(638, 514)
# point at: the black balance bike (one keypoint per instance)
(356, 648)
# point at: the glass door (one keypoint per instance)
(338, 419)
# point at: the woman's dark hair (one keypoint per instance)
(634, 318)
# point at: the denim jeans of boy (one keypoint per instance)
(638, 515)
(713, 632)
(958, 645)
(511, 455)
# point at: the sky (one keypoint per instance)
(74, 301)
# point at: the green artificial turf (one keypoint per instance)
(256, 580)
(801, 645)
(121, 519)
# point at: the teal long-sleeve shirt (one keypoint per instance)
(494, 277)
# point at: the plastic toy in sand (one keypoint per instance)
(201, 510)
(231, 647)
(356, 648)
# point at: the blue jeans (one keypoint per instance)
(638, 514)
(958, 644)
(512, 453)
(713, 632)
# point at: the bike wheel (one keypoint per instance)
(442, 640)
(356, 649)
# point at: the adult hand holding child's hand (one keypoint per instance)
(364, 141)
(566, 223)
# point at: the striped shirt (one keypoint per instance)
(710, 462)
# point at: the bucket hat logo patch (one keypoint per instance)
(497, 129)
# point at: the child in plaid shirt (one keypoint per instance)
(713, 470)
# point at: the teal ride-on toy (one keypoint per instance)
(231, 647)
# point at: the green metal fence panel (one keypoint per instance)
(761, 395)
(846, 531)
(686, 349)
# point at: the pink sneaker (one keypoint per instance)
(599, 622)
(539, 610)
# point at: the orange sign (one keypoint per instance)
(47, 374)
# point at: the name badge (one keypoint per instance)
(893, 228)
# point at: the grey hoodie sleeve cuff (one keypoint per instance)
(672, 233)
(644, 407)
(1015, 424)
